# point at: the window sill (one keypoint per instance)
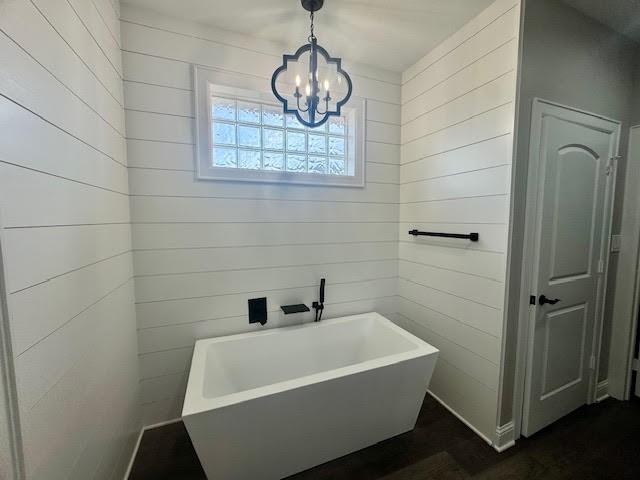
(277, 177)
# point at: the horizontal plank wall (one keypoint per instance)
(66, 233)
(201, 249)
(455, 176)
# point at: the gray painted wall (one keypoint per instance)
(635, 100)
(571, 59)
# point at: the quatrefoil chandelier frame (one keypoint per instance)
(314, 107)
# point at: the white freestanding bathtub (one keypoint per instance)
(265, 405)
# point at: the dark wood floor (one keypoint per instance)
(595, 442)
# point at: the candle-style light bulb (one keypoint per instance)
(297, 80)
(307, 89)
(326, 85)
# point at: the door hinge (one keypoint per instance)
(611, 165)
(635, 364)
(600, 266)
(616, 243)
(592, 362)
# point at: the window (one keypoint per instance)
(244, 135)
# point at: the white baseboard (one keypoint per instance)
(162, 424)
(135, 449)
(504, 434)
(505, 437)
(602, 390)
(461, 418)
(133, 455)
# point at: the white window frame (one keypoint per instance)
(205, 86)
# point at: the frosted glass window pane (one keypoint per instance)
(224, 133)
(273, 161)
(296, 163)
(337, 125)
(273, 139)
(251, 135)
(223, 108)
(317, 164)
(292, 122)
(336, 146)
(248, 112)
(224, 157)
(296, 141)
(336, 166)
(248, 136)
(317, 144)
(249, 159)
(272, 116)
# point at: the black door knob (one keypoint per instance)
(552, 301)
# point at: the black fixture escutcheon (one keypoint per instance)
(258, 310)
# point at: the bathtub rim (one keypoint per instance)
(195, 403)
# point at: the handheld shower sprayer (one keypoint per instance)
(319, 305)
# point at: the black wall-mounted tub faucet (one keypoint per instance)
(297, 308)
(319, 305)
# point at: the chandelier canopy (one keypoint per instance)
(310, 83)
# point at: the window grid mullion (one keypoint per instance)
(262, 136)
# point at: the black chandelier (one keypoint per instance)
(327, 87)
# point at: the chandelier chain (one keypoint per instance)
(312, 36)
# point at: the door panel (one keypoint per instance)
(563, 356)
(574, 197)
(573, 151)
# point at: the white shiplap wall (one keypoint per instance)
(201, 249)
(66, 235)
(455, 176)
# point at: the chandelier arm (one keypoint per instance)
(300, 109)
(326, 107)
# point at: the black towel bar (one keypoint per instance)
(474, 236)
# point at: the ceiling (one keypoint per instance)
(621, 15)
(389, 34)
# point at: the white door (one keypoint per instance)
(570, 158)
